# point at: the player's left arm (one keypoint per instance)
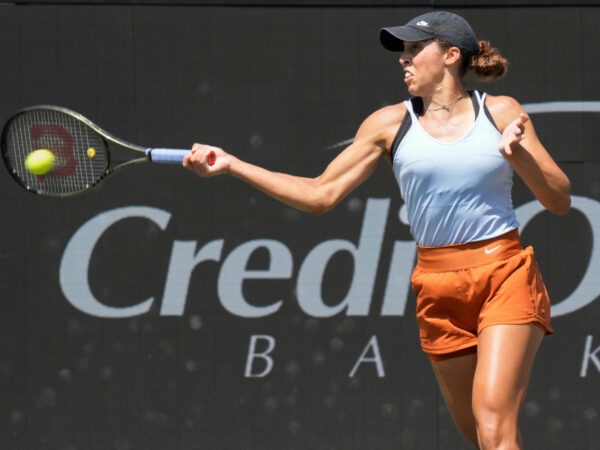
(521, 147)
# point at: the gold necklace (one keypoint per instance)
(446, 106)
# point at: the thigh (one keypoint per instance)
(455, 379)
(505, 355)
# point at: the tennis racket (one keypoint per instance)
(81, 149)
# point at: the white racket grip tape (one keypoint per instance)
(166, 155)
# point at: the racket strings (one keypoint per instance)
(80, 153)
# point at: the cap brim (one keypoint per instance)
(392, 38)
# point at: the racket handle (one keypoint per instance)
(166, 155)
(211, 158)
(173, 155)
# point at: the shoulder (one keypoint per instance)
(390, 113)
(503, 109)
(381, 126)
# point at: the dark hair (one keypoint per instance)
(487, 64)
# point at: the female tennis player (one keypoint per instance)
(482, 307)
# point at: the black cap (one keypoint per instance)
(442, 25)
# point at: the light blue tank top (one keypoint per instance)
(455, 192)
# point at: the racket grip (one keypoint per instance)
(211, 158)
(166, 155)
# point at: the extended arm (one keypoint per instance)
(314, 195)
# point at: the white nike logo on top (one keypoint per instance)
(492, 250)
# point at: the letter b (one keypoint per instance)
(254, 354)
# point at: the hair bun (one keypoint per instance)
(488, 64)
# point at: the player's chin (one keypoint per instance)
(412, 88)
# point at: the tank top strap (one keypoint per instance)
(414, 106)
(480, 96)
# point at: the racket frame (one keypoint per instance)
(161, 155)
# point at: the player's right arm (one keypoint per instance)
(315, 195)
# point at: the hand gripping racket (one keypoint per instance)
(82, 155)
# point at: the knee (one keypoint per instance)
(496, 431)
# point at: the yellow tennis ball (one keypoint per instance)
(40, 162)
(91, 152)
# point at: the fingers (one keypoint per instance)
(520, 124)
(203, 159)
(523, 119)
(514, 133)
(202, 153)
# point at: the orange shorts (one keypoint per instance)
(461, 289)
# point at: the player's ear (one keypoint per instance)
(452, 55)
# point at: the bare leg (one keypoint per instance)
(455, 378)
(505, 355)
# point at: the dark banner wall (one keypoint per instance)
(162, 311)
(318, 3)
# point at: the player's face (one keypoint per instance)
(423, 66)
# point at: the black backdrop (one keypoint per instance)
(161, 311)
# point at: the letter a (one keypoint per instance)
(376, 358)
